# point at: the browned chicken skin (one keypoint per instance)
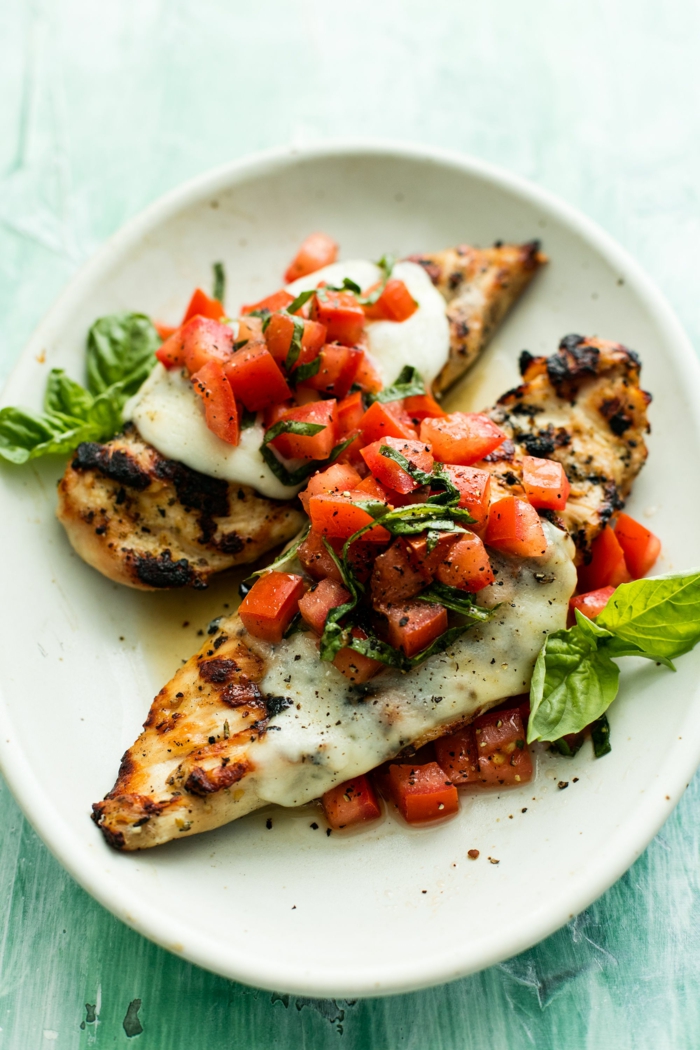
(193, 767)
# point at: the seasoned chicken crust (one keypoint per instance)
(193, 767)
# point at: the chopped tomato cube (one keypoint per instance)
(314, 556)
(607, 567)
(504, 757)
(255, 378)
(422, 792)
(205, 340)
(201, 304)
(592, 603)
(276, 301)
(340, 477)
(367, 376)
(641, 546)
(545, 483)
(350, 412)
(356, 666)
(339, 515)
(274, 413)
(353, 802)
(279, 333)
(394, 304)
(385, 420)
(271, 604)
(316, 446)
(466, 565)
(457, 756)
(220, 413)
(317, 250)
(515, 528)
(427, 561)
(342, 315)
(337, 369)
(413, 626)
(422, 406)
(306, 396)
(395, 578)
(461, 438)
(315, 605)
(474, 491)
(388, 471)
(171, 352)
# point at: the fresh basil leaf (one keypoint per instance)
(219, 281)
(295, 345)
(248, 419)
(301, 300)
(450, 494)
(302, 372)
(413, 472)
(571, 746)
(295, 478)
(661, 615)
(120, 349)
(600, 735)
(386, 265)
(265, 316)
(26, 435)
(573, 683)
(387, 654)
(457, 600)
(292, 426)
(408, 383)
(66, 397)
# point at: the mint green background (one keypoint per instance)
(105, 104)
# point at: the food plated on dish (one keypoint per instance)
(435, 571)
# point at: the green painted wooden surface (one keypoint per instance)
(103, 106)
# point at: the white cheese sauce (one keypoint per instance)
(170, 416)
(332, 732)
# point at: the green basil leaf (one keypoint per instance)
(387, 654)
(219, 281)
(26, 435)
(573, 683)
(295, 345)
(120, 350)
(301, 300)
(265, 315)
(302, 372)
(457, 600)
(66, 397)
(661, 615)
(408, 383)
(292, 426)
(248, 419)
(413, 472)
(295, 478)
(600, 735)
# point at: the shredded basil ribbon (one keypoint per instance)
(295, 478)
(408, 383)
(219, 281)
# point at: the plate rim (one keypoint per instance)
(86, 866)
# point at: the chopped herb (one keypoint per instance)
(240, 344)
(295, 345)
(248, 419)
(457, 600)
(600, 735)
(300, 301)
(414, 472)
(302, 372)
(219, 281)
(408, 383)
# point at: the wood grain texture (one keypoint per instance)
(105, 107)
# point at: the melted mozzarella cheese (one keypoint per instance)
(422, 341)
(170, 416)
(331, 731)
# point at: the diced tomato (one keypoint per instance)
(342, 315)
(306, 396)
(274, 413)
(337, 369)
(353, 802)
(461, 438)
(466, 565)
(276, 301)
(356, 666)
(388, 471)
(394, 304)
(427, 561)
(422, 406)
(457, 756)
(385, 420)
(314, 556)
(413, 626)
(271, 604)
(279, 333)
(255, 378)
(504, 757)
(350, 412)
(592, 603)
(395, 578)
(164, 330)
(201, 304)
(220, 413)
(205, 340)
(367, 376)
(316, 446)
(373, 490)
(171, 352)
(339, 515)
(474, 491)
(423, 792)
(250, 328)
(340, 477)
(315, 605)
(607, 567)
(545, 483)
(317, 250)
(641, 546)
(515, 528)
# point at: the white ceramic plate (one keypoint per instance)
(389, 909)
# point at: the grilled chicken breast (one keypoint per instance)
(243, 723)
(151, 523)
